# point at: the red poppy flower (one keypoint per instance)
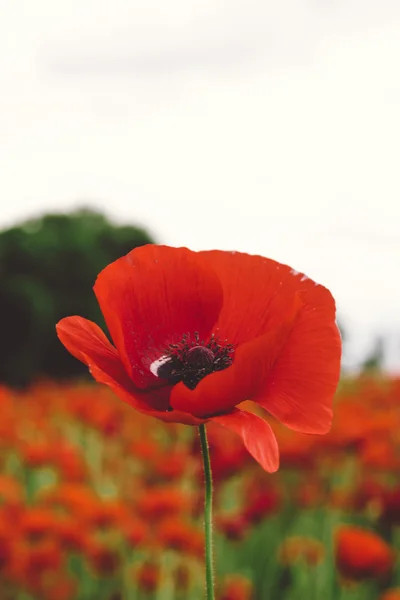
(392, 594)
(237, 587)
(362, 554)
(197, 333)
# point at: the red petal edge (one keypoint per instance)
(257, 436)
(300, 389)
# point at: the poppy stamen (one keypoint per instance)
(191, 360)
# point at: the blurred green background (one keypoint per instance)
(47, 268)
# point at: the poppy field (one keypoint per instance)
(100, 501)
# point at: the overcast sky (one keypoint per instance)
(263, 126)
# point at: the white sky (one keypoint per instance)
(256, 125)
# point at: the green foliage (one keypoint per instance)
(47, 269)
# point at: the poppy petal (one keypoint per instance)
(257, 436)
(258, 292)
(219, 392)
(301, 385)
(151, 298)
(300, 388)
(87, 342)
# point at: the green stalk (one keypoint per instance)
(207, 513)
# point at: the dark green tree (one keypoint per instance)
(47, 269)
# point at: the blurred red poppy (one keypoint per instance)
(197, 333)
(362, 554)
(237, 587)
(392, 594)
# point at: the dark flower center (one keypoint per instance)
(191, 360)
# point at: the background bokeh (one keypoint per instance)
(270, 128)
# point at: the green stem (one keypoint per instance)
(207, 512)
